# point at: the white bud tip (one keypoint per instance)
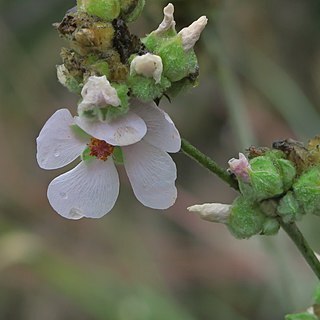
(147, 65)
(168, 20)
(190, 35)
(214, 212)
(62, 74)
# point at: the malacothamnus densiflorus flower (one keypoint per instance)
(91, 188)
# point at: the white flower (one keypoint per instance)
(148, 65)
(168, 20)
(98, 92)
(190, 35)
(214, 212)
(92, 187)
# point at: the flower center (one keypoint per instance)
(100, 149)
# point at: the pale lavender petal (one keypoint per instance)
(161, 131)
(240, 167)
(89, 190)
(123, 131)
(57, 144)
(152, 174)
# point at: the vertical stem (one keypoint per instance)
(297, 237)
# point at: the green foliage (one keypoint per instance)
(301, 316)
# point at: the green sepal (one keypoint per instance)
(265, 180)
(289, 208)
(307, 191)
(181, 86)
(287, 171)
(146, 89)
(177, 64)
(85, 156)
(73, 85)
(131, 9)
(270, 227)
(107, 10)
(301, 316)
(117, 156)
(246, 219)
(115, 112)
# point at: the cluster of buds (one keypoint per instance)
(282, 182)
(162, 63)
(119, 78)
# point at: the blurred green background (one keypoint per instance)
(260, 81)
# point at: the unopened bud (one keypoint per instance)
(168, 22)
(148, 65)
(190, 35)
(240, 167)
(98, 92)
(214, 212)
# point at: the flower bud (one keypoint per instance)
(167, 26)
(307, 191)
(146, 80)
(240, 167)
(246, 218)
(104, 9)
(98, 92)
(191, 34)
(177, 64)
(178, 58)
(147, 65)
(214, 212)
(131, 9)
(265, 180)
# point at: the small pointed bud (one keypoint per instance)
(98, 92)
(190, 35)
(214, 212)
(168, 22)
(148, 65)
(240, 167)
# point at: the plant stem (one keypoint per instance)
(207, 163)
(290, 228)
(303, 246)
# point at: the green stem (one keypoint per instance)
(290, 228)
(303, 246)
(207, 163)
